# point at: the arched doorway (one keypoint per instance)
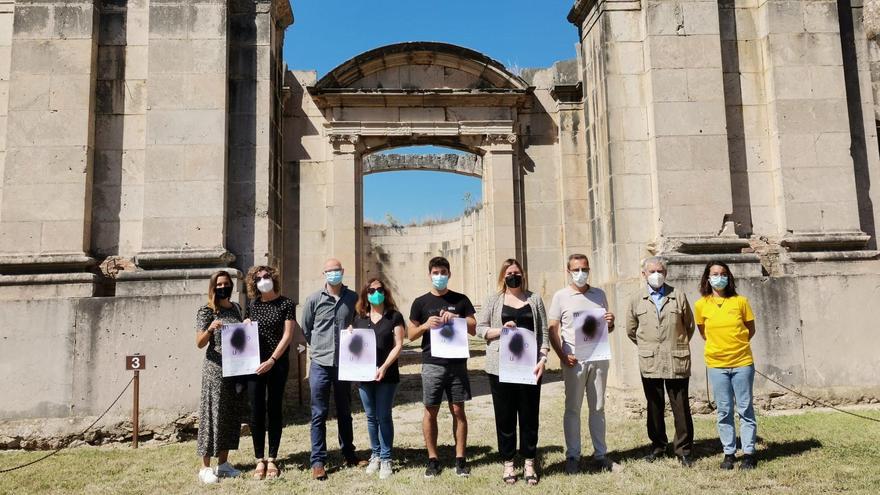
(401, 95)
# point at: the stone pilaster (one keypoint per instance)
(47, 180)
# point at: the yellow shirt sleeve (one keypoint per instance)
(746, 309)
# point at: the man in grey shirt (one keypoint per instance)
(325, 313)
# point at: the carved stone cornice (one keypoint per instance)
(500, 139)
(341, 139)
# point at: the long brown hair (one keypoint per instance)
(706, 288)
(212, 286)
(504, 266)
(362, 308)
(250, 281)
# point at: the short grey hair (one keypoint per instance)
(659, 260)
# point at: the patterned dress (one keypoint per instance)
(220, 407)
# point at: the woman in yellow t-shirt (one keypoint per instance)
(727, 324)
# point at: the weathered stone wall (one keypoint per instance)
(740, 131)
(400, 254)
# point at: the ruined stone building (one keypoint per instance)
(146, 143)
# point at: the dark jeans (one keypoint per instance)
(512, 401)
(677, 389)
(321, 380)
(266, 393)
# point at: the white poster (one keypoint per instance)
(518, 356)
(357, 355)
(240, 344)
(591, 335)
(451, 340)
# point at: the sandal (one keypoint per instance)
(271, 469)
(260, 470)
(509, 475)
(529, 473)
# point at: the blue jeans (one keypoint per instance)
(378, 399)
(733, 386)
(321, 380)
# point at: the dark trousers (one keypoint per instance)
(266, 393)
(677, 389)
(321, 380)
(512, 401)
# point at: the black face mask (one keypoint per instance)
(222, 293)
(513, 280)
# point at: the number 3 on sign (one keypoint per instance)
(136, 362)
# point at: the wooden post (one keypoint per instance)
(135, 412)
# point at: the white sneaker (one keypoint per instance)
(385, 470)
(226, 470)
(207, 476)
(373, 466)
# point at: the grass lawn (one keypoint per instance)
(801, 453)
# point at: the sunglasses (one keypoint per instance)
(371, 290)
(264, 277)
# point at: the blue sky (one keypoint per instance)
(517, 33)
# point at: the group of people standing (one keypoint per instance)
(658, 320)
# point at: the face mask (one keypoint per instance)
(580, 277)
(656, 280)
(439, 281)
(222, 293)
(376, 298)
(513, 280)
(718, 282)
(333, 277)
(265, 285)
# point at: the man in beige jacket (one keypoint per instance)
(660, 322)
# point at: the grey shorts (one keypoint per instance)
(449, 379)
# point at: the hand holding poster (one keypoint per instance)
(240, 347)
(357, 355)
(451, 340)
(591, 335)
(518, 356)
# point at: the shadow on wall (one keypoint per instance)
(241, 187)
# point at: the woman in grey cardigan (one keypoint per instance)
(514, 306)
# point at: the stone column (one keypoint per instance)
(810, 139)
(686, 120)
(46, 206)
(344, 209)
(500, 179)
(184, 183)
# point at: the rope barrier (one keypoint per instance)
(59, 449)
(817, 401)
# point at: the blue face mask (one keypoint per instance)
(718, 282)
(439, 281)
(376, 298)
(333, 277)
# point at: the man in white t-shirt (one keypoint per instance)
(580, 377)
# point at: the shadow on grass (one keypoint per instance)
(409, 391)
(703, 449)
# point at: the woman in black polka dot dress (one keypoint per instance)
(274, 314)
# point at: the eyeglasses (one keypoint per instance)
(264, 277)
(371, 290)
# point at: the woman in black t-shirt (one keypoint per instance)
(376, 309)
(274, 314)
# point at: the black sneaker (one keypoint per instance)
(749, 462)
(686, 461)
(461, 467)
(654, 455)
(433, 468)
(728, 461)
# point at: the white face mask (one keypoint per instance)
(580, 277)
(656, 280)
(265, 285)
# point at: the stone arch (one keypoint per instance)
(488, 73)
(356, 114)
